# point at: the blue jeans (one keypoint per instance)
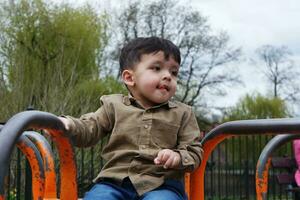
(170, 190)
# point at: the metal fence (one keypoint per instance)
(230, 173)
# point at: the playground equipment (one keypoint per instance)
(40, 120)
(45, 150)
(33, 155)
(237, 128)
(263, 164)
(194, 182)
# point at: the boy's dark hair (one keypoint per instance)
(131, 53)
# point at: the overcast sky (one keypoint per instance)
(250, 24)
(253, 23)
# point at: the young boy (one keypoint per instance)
(153, 141)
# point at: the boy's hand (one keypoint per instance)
(66, 122)
(168, 158)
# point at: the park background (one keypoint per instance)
(60, 57)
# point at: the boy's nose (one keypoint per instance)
(167, 76)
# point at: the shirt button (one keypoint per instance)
(146, 126)
(186, 160)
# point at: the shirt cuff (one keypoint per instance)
(186, 161)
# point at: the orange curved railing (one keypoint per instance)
(50, 191)
(19, 123)
(264, 160)
(235, 128)
(36, 165)
(34, 158)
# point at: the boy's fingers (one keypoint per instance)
(175, 162)
(164, 157)
(167, 158)
(172, 162)
(168, 163)
(65, 122)
(156, 161)
(46, 131)
(161, 157)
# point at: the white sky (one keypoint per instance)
(250, 24)
(254, 22)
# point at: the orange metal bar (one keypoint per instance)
(262, 182)
(187, 184)
(50, 176)
(48, 163)
(68, 169)
(38, 180)
(197, 177)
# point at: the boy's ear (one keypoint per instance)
(127, 77)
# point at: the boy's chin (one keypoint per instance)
(161, 101)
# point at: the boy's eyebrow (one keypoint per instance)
(177, 66)
(157, 62)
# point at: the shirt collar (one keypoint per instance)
(130, 100)
(127, 100)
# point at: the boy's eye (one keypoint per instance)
(175, 72)
(156, 68)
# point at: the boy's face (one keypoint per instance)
(153, 80)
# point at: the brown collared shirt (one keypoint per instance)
(136, 135)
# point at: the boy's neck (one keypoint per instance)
(141, 103)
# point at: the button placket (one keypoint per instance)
(145, 140)
(147, 114)
(145, 132)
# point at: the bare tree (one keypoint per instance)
(280, 71)
(206, 56)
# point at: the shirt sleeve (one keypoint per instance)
(91, 127)
(189, 146)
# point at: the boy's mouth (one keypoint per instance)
(163, 87)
